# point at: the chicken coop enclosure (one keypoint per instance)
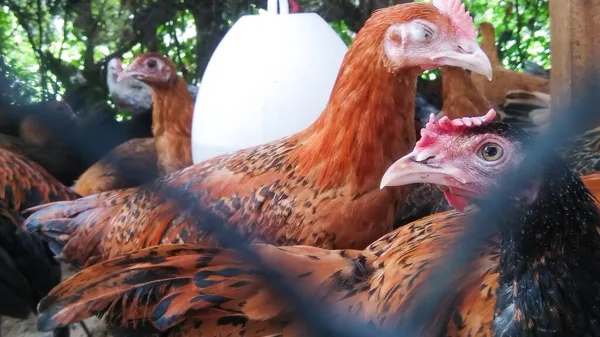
(418, 202)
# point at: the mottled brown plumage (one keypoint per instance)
(130, 164)
(26, 184)
(186, 290)
(27, 269)
(319, 187)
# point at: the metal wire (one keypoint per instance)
(318, 316)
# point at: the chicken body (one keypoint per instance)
(130, 164)
(139, 161)
(302, 189)
(541, 265)
(27, 268)
(504, 79)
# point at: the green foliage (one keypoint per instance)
(343, 31)
(522, 29)
(48, 48)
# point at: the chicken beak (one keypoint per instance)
(408, 170)
(471, 57)
(479, 63)
(129, 74)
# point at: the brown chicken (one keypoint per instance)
(461, 98)
(25, 184)
(27, 268)
(303, 189)
(538, 274)
(504, 79)
(139, 161)
(488, 43)
(130, 164)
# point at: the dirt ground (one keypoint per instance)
(18, 328)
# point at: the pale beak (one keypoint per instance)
(129, 74)
(407, 170)
(475, 61)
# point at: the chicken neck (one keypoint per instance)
(366, 125)
(549, 271)
(172, 113)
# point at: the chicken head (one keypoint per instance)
(151, 68)
(429, 35)
(465, 157)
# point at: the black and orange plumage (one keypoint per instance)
(303, 189)
(536, 276)
(28, 270)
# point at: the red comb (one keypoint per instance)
(455, 9)
(446, 126)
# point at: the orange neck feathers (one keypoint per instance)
(172, 112)
(461, 96)
(367, 124)
(488, 43)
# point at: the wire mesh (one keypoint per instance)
(318, 315)
(320, 318)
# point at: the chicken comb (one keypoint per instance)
(446, 125)
(455, 9)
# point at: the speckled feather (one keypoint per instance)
(319, 187)
(179, 288)
(582, 154)
(26, 184)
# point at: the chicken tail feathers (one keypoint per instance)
(156, 284)
(168, 284)
(74, 229)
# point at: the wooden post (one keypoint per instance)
(575, 47)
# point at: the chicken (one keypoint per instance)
(42, 132)
(131, 95)
(172, 111)
(537, 275)
(139, 161)
(303, 189)
(460, 96)
(504, 79)
(488, 43)
(130, 164)
(56, 159)
(530, 110)
(461, 99)
(27, 268)
(26, 184)
(582, 153)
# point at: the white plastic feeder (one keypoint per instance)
(270, 77)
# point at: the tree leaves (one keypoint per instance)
(50, 48)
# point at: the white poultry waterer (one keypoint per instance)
(270, 77)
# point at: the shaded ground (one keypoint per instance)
(18, 328)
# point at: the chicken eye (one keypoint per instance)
(422, 32)
(151, 64)
(491, 151)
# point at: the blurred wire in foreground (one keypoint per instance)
(318, 316)
(564, 125)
